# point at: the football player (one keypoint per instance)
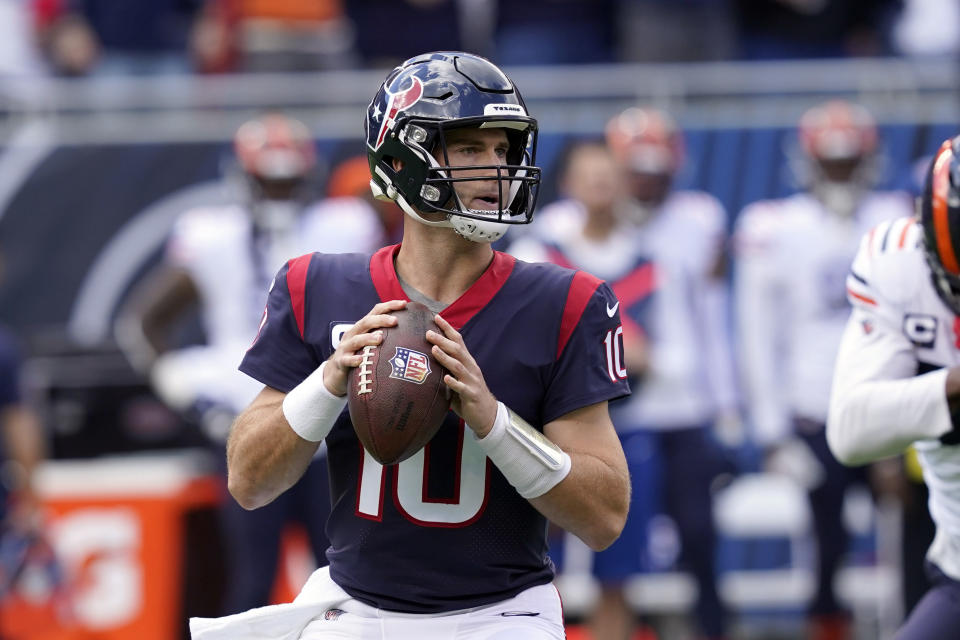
(350, 217)
(897, 380)
(792, 258)
(450, 543)
(219, 261)
(662, 250)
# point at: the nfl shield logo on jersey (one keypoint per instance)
(411, 365)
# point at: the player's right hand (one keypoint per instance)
(365, 332)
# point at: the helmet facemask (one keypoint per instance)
(424, 160)
(946, 284)
(841, 183)
(837, 157)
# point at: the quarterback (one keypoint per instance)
(897, 380)
(662, 250)
(450, 543)
(793, 255)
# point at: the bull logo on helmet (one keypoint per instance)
(396, 103)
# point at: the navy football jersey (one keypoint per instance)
(443, 530)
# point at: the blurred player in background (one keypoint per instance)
(792, 260)
(451, 543)
(220, 261)
(897, 379)
(590, 233)
(350, 218)
(663, 252)
(687, 401)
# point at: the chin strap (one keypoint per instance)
(480, 231)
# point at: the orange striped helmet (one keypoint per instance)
(838, 130)
(839, 159)
(275, 147)
(940, 220)
(646, 141)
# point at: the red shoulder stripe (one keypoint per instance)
(297, 287)
(581, 290)
(636, 285)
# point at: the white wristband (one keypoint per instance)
(529, 461)
(311, 409)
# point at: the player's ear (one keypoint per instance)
(397, 164)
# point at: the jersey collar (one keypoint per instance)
(385, 281)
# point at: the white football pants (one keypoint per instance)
(324, 611)
(534, 614)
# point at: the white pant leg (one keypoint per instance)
(534, 614)
(511, 619)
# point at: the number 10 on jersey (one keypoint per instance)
(613, 343)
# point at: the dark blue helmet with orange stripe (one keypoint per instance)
(940, 219)
(419, 102)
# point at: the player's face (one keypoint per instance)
(592, 177)
(476, 148)
(840, 170)
(279, 189)
(649, 188)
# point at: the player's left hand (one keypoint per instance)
(472, 401)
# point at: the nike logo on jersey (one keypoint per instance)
(515, 614)
(612, 310)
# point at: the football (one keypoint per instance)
(396, 397)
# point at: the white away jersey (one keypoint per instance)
(792, 259)
(888, 388)
(690, 369)
(232, 268)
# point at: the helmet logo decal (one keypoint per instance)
(396, 103)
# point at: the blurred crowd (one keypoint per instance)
(99, 37)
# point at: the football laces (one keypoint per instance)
(366, 370)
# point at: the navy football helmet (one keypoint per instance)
(940, 220)
(407, 121)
